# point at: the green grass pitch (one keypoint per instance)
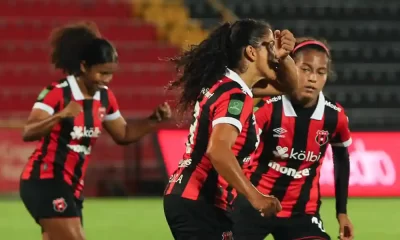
(142, 218)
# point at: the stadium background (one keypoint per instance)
(124, 183)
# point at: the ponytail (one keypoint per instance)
(202, 66)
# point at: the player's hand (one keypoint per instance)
(284, 43)
(266, 205)
(346, 230)
(71, 110)
(162, 112)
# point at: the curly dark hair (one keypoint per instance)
(203, 65)
(74, 43)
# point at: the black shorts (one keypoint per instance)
(196, 220)
(249, 225)
(49, 198)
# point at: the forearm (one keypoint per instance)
(134, 131)
(342, 176)
(287, 74)
(36, 130)
(226, 164)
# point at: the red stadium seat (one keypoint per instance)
(122, 33)
(70, 8)
(23, 53)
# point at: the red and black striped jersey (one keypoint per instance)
(228, 101)
(64, 153)
(292, 146)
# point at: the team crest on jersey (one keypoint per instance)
(59, 205)
(322, 137)
(102, 113)
(227, 235)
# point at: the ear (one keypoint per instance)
(250, 53)
(83, 67)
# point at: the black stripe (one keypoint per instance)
(67, 126)
(104, 98)
(299, 142)
(269, 143)
(85, 141)
(330, 122)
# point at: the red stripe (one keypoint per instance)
(312, 204)
(197, 179)
(312, 146)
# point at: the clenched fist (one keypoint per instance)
(284, 43)
(162, 112)
(71, 110)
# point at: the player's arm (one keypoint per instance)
(125, 133)
(43, 117)
(341, 161)
(287, 81)
(230, 114)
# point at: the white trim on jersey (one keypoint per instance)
(44, 107)
(229, 120)
(112, 116)
(343, 144)
(318, 112)
(76, 91)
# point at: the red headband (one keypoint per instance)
(311, 42)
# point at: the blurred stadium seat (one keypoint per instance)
(25, 52)
(365, 49)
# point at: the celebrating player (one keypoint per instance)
(67, 119)
(216, 81)
(296, 131)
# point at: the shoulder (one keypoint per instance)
(272, 100)
(333, 105)
(53, 89)
(338, 108)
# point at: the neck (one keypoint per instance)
(306, 103)
(248, 77)
(85, 91)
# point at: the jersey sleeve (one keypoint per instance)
(112, 111)
(263, 114)
(48, 98)
(232, 108)
(342, 137)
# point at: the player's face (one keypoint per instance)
(100, 75)
(312, 66)
(265, 59)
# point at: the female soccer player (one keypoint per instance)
(217, 78)
(296, 130)
(67, 119)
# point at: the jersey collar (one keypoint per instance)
(235, 77)
(318, 112)
(76, 91)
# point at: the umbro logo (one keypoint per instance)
(279, 132)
